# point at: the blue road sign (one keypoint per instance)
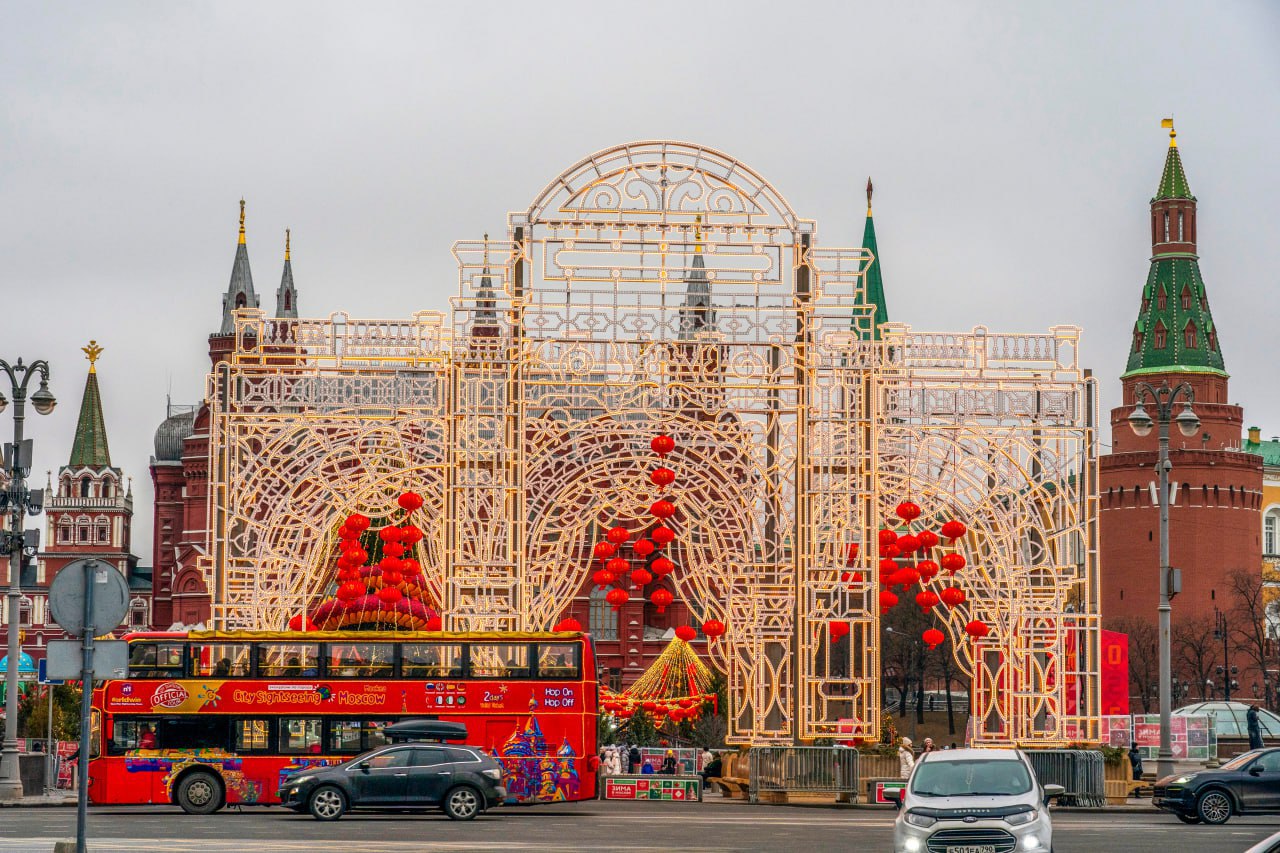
(41, 669)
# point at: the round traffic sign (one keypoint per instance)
(67, 597)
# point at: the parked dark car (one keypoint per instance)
(462, 780)
(1247, 784)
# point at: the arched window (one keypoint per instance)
(240, 300)
(104, 532)
(1137, 340)
(1213, 340)
(1162, 299)
(603, 618)
(1189, 335)
(1186, 297)
(288, 301)
(24, 611)
(1161, 336)
(107, 488)
(66, 533)
(1166, 226)
(84, 486)
(1180, 237)
(1271, 534)
(138, 613)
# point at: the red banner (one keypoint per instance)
(1114, 668)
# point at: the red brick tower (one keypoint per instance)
(1216, 490)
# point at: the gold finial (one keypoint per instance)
(1173, 134)
(869, 190)
(242, 221)
(697, 234)
(91, 352)
(286, 244)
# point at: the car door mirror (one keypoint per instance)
(364, 766)
(1255, 770)
(1053, 792)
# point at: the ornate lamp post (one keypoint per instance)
(1226, 671)
(1163, 399)
(18, 500)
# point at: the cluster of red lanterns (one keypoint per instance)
(661, 710)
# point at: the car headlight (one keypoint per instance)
(1182, 780)
(492, 773)
(299, 780)
(917, 819)
(1019, 818)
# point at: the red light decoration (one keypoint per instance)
(661, 599)
(952, 596)
(851, 554)
(891, 550)
(617, 566)
(644, 548)
(662, 536)
(618, 535)
(662, 477)
(350, 590)
(687, 633)
(907, 577)
(392, 577)
(389, 595)
(908, 511)
(663, 509)
(977, 629)
(662, 444)
(389, 534)
(908, 544)
(568, 624)
(357, 522)
(713, 628)
(355, 555)
(887, 599)
(933, 638)
(838, 630)
(410, 535)
(389, 564)
(411, 567)
(603, 577)
(928, 539)
(617, 598)
(927, 599)
(887, 538)
(662, 566)
(927, 569)
(641, 577)
(953, 530)
(410, 501)
(604, 550)
(953, 562)
(393, 549)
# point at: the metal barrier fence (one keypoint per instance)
(1080, 771)
(803, 769)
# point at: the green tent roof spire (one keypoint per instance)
(90, 447)
(873, 283)
(1173, 181)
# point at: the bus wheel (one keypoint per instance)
(326, 803)
(200, 793)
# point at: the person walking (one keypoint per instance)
(1254, 726)
(1135, 761)
(928, 746)
(906, 758)
(633, 759)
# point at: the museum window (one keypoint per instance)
(602, 619)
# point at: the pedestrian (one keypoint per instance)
(706, 757)
(712, 769)
(615, 761)
(1255, 727)
(906, 758)
(928, 745)
(646, 769)
(669, 763)
(1135, 761)
(633, 759)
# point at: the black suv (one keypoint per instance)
(461, 780)
(1248, 784)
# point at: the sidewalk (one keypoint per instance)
(57, 798)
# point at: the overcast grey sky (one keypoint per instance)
(1014, 148)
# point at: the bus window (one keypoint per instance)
(220, 660)
(250, 735)
(558, 660)
(366, 660)
(500, 660)
(431, 660)
(95, 733)
(300, 737)
(124, 736)
(355, 736)
(373, 736)
(198, 731)
(155, 660)
(288, 660)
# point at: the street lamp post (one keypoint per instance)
(1226, 672)
(18, 500)
(1163, 399)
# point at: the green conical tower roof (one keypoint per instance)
(873, 291)
(1173, 181)
(90, 447)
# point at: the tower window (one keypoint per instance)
(1186, 297)
(1189, 335)
(1166, 226)
(240, 300)
(84, 487)
(1213, 340)
(1162, 299)
(288, 301)
(1146, 304)
(1161, 336)
(1137, 340)
(1180, 237)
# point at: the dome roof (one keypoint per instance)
(1229, 718)
(170, 435)
(26, 665)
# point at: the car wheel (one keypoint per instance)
(1187, 818)
(200, 793)
(462, 803)
(1214, 807)
(326, 803)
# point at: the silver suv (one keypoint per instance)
(974, 801)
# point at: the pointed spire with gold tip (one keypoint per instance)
(873, 281)
(240, 291)
(286, 293)
(90, 446)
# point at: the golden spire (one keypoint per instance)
(1173, 134)
(242, 222)
(697, 234)
(91, 352)
(286, 244)
(869, 189)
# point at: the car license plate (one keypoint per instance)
(973, 848)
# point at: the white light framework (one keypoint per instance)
(662, 287)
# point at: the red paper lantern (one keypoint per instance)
(603, 577)
(907, 577)
(662, 477)
(350, 590)
(411, 567)
(662, 566)
(851, 554)
(389, 595)
(410, 535)
(889, 579)
(933, 638)
(908, 544)
(891, 550)
(345, 532)
(662, 535)
(393, 549)
(618, 535)
(410, 501)
(839, 629)
(928, 539)
(604, 550)
(953, 530)
(357, 522)
(977, 628)
(662, 444)
(888, 567)
(435, 623)
(713, 628)
(927, 569)
(952, 596)
(953, 562)
(687, 633)
(641, 577)
(389, 564)
(392, 578)
(570, 624)
(663, 509)
(389, 534)
(350, 574)
(927, 599)
(617, 598)
(907, 511)
(296, 623)
(356, 555)
(617, 566)
(661, 599)
(887, 599)
(345, 562)
(644, 548)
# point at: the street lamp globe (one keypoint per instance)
(1140, 422)
(43, 401)
(1186, 420)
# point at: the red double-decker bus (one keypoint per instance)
(219, 718)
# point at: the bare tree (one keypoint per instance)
(1197, 650)
(1251, 611)
(1144, 659)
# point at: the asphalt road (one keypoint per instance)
(711, 826)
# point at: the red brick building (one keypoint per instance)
(1215, 508)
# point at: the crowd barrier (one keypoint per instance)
(1080, 771)
(803, 770)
